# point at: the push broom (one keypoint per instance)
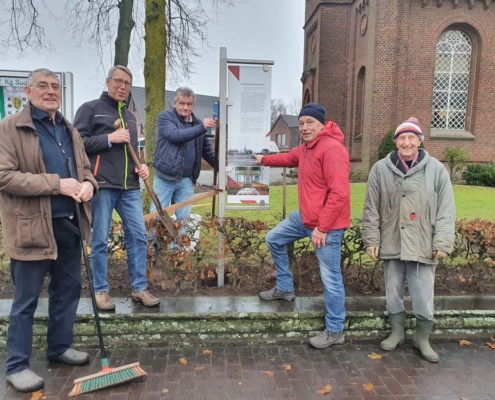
(107, 376)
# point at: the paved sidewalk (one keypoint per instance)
(259, 373)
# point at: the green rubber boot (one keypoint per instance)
(398, 323)
(421, 335)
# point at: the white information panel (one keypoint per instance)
(249, 112)
(13, 99)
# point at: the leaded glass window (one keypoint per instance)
(450, 88)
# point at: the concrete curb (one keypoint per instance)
(192, 320)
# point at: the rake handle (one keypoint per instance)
(72, 174)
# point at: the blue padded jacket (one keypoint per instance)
(172, 137)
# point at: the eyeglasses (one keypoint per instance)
(119, 82)
(43, 86)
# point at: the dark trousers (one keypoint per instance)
(64, 291)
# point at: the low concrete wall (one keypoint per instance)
(191, 320)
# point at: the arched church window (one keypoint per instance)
(359, 110)
(450, 88)
(307, 97)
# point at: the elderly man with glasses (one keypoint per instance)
(106, 127)
(41, 237)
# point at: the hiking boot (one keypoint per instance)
(26, 381)
(104, 302)
(146, 298)
(275, 294)
(72, 357)
(397, 335)
(421, 342)
(326, 338)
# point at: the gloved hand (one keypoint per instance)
(439, 255)
(373, 252)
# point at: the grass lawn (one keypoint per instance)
(471, 202)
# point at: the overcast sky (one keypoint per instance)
(253, 29)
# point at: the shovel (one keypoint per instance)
(164, 217)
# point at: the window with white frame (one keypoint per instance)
(281, 140)
(450, 90)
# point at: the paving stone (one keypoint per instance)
(243, 373)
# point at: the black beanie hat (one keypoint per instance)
(313, 110)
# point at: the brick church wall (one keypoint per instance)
(396, 57)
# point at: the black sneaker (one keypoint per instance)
(275, 294)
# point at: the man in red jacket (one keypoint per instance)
(323, 215)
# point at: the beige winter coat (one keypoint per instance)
(409, 215)
(25, 189)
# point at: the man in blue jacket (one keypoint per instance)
(180, 145)
(106, 126)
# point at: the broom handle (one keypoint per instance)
(87, 265)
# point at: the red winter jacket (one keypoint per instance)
(323, 175)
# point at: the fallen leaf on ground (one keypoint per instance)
(353, 383)
(164, 390)
(37, 395)
(492, 339)
(324, 390)
(368, 386)
(462, 279)
(272, 359)
(288, 367)
(269, 373)
(206, 352)
(183, 361)
(491, 345)
(463, 342)
(374, 356)
(199, 368)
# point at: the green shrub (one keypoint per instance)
(455, 157)
(386, 145)
(480, 175)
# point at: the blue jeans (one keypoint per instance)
(128, 204)
(64, 290)
(171, 192)
(292, 229)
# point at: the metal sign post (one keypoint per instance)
(222, 148)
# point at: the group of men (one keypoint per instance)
(38, 199)
(408, 217)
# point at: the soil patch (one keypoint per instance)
(253, 279)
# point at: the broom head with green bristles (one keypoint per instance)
(107, 377)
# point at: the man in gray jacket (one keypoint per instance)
(409, 222)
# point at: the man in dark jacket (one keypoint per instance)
(180, 145)
(40, 235)
(106, 126)
(324, 213)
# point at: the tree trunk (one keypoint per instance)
(154, 71)
(123, 39)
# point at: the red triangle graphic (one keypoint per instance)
(236, 71)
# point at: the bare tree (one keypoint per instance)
(279, 106)
(20, 25)
(154, 71)
(98, 24)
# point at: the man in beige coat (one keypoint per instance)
(38, 200)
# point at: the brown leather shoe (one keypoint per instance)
(146, 298)
(104, 302)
